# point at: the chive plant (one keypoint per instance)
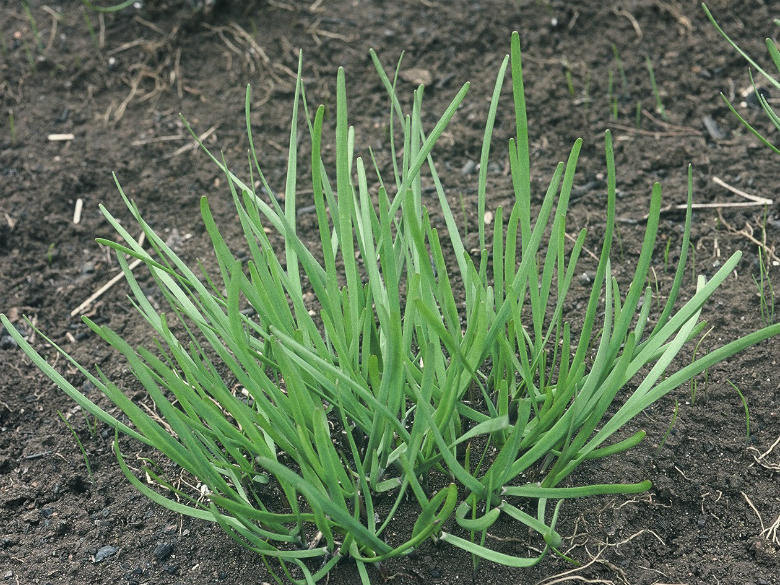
(396, 394)
(774, 54)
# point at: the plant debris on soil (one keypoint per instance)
(84, 95)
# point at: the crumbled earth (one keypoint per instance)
(112, 88)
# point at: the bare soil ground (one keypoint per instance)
(117, 84)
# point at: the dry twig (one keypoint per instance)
(754, 198)
(752, 507)
(747, 232)
(192, 145)
(771, 532)
(683, 20)
(762, 456)
(632, 19)
(656, 133)
(106, 287)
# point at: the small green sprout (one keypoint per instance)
(659, 106)
(745, 406)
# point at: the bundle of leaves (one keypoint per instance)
(309, 429)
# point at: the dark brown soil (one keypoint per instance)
(118, 88)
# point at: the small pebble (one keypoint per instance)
(171, 569)
(104, 552)
(752, 98)
(162, 551)
(494, 167)
(468, 168)
(7, 342)
(713, 128)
